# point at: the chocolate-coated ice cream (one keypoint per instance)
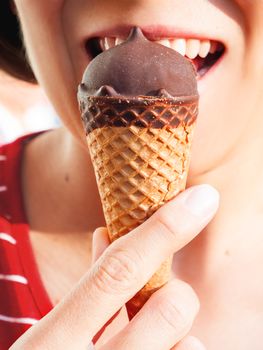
(139, 67)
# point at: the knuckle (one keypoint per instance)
(174, 315)
(189, 295)
(179, 309)
(164, 222)
(174, 225)
(116, 272)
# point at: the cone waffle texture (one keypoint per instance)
(140, 151)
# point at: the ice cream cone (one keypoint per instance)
(138, 102)
(140, 149)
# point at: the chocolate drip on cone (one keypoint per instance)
(157, 113)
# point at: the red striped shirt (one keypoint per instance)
(23, 298)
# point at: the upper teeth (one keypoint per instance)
(186, 47)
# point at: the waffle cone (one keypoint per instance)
(140, 163)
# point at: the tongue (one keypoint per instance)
(202, 65)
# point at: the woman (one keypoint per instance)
(58, 206)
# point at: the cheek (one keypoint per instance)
(42, 26)
(221, 120)
(220, 124)
(231, 111)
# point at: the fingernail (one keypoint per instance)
(202, 200)
(192, 343)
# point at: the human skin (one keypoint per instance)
(122, 270)
(222, 263)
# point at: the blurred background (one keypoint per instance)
(23, 109)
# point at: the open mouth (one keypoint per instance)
(204, 54)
